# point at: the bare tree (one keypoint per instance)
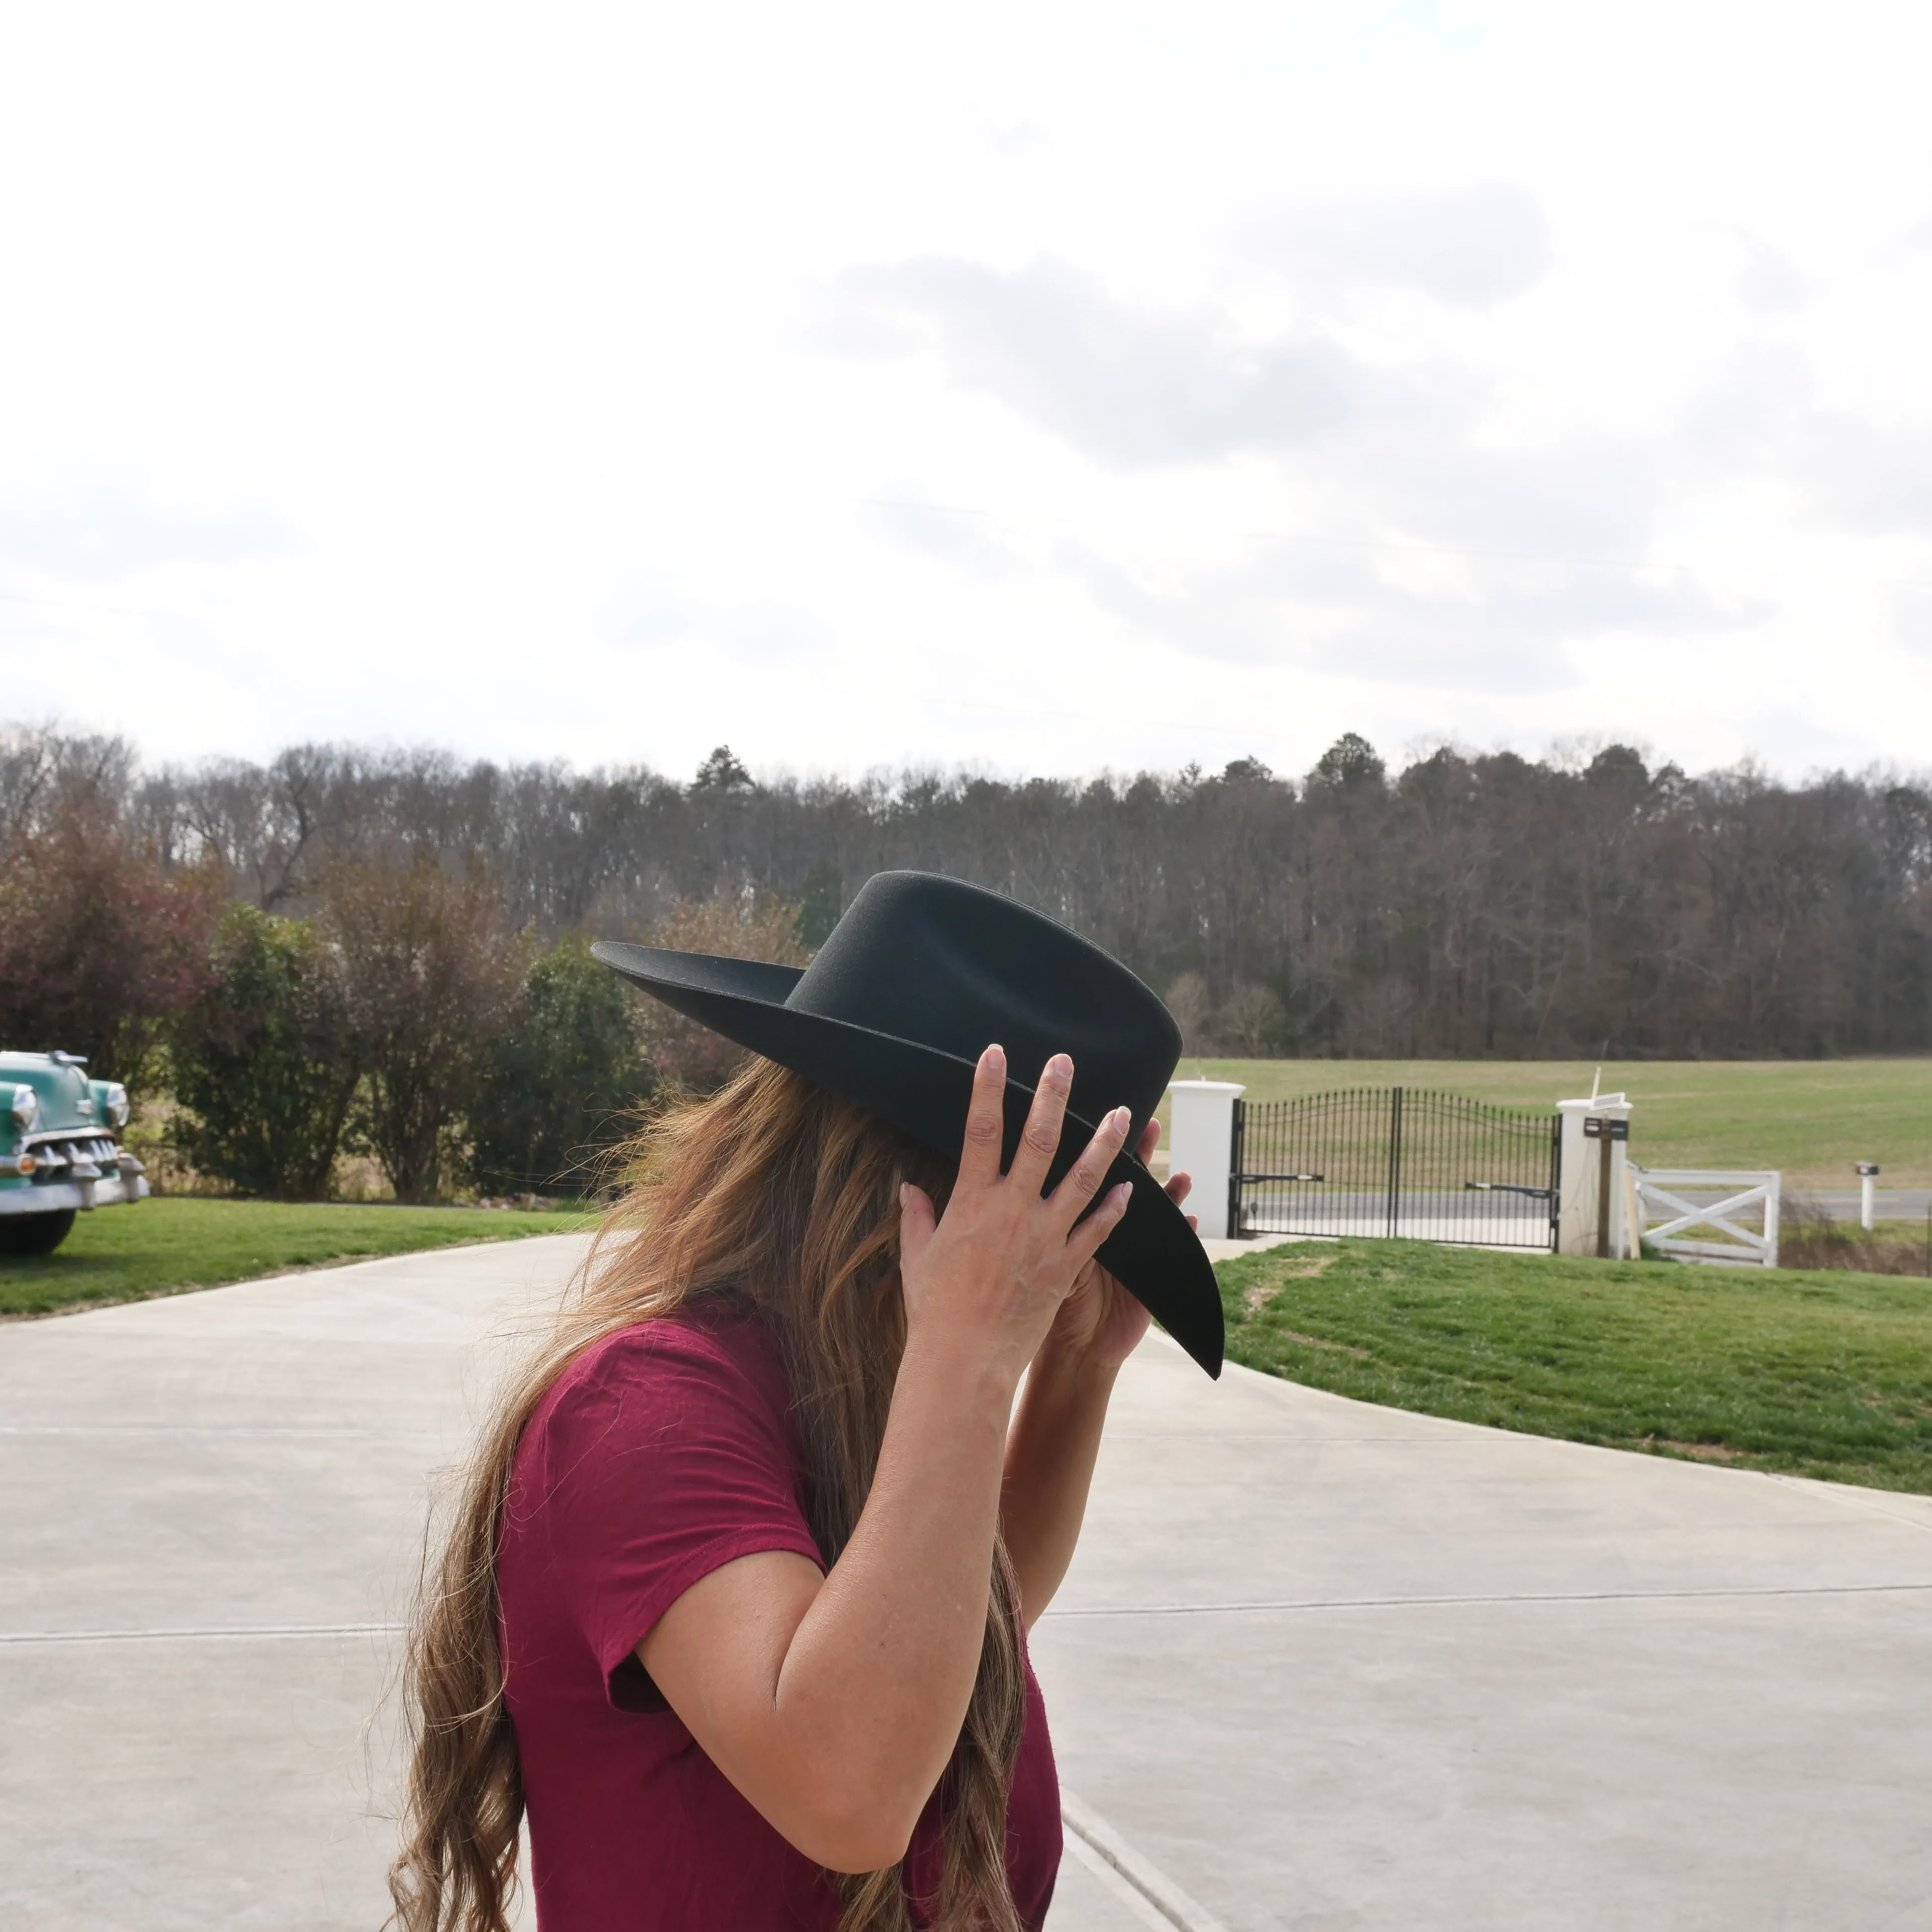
(101, 945)
(431, 972)
(1251, 1020)
(1187, 1001)
(739, 924)
(1466, 905)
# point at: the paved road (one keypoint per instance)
(1318, 1665)
(1889, 1204)
(1480, 1220)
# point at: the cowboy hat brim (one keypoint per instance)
(924, 1092)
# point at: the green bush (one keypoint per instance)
(263, 1070)
(560, 1081)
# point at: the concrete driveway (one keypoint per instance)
(1318, 1665)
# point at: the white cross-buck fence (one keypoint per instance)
(1665, 1220)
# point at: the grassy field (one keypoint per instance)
(166, 1246)
(1811, 1118)
(1826, 1375)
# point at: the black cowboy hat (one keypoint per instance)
(918, 978)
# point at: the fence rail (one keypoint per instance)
(1394, 1161)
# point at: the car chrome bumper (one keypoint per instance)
(53, 1197)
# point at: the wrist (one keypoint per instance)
(1064, 1368)
(965, 1377)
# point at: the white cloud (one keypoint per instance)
(642, 612)
(108, 522)
(1123, 384)
(1476, 245)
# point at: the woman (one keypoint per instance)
(736, 1596)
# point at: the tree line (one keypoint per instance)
(417, 923)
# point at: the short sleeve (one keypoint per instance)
(661, 1455)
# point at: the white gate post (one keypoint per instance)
(1579, 1172)
(1201, 1142)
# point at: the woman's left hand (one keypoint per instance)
(1099, 1323)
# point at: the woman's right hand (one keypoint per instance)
(984, 1282)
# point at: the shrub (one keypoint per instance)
(264, 1069)
(1808, 1237)
(560, 1080)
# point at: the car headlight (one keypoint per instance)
(26, 1108)
(117, 1105)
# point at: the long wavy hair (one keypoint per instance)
(774, 1192)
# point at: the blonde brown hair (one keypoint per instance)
(781, 1194)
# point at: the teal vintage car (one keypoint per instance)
(59, 1156)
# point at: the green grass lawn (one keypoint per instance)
(1825, 1374)
(1811, 1118)
(165, 1247)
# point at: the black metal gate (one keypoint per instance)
(1395, 1161)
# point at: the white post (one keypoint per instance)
(1201, 1142)
(1868, 1174)
(1580, 1173)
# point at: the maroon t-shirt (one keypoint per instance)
(663, 1452)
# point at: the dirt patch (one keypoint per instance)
(1264, 1291)
(1700, 1452)
(1306, 1269)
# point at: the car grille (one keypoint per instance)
(62, 1157)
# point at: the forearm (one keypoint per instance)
(1050, 1451)
(875, 1684)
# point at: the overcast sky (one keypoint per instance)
(1043, 388)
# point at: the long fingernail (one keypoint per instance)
(1124, 1118)
(1061, 1067)
(995, 1057)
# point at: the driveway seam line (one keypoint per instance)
(1524, 1597)
(200, 1634)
